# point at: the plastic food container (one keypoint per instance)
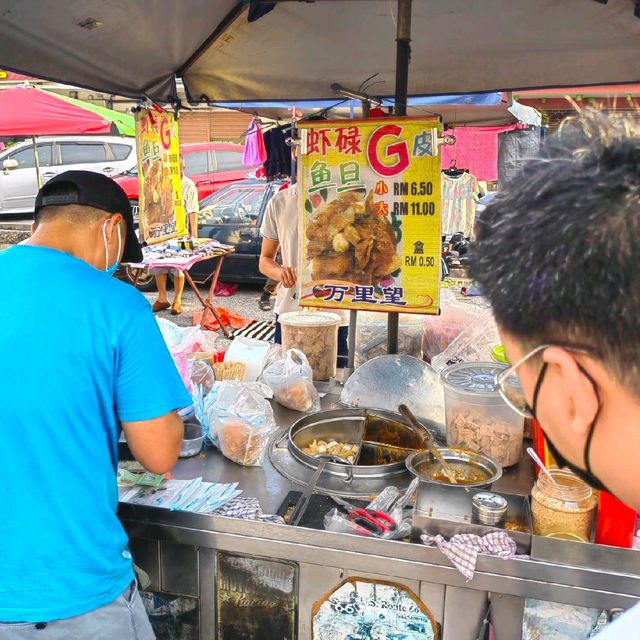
(315, 333)
(477, 418)
(192, 439)
(565, 511)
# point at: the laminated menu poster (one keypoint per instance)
(161, 209)
(362, 609)
(369, 198)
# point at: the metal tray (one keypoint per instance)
(586, 554)
(447, 511)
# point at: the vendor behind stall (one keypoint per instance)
(82, 358)
(280, 232)
(566, 296)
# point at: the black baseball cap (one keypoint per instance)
(93, 190)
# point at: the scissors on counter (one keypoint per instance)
(377, 522)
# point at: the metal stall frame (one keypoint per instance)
(178, 551)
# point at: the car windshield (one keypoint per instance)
(234, 204)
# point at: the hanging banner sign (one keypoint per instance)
(162, 214)
(369, 197)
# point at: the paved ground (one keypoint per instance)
(244, 302)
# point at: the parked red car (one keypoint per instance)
(211, 165)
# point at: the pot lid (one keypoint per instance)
(475, 377)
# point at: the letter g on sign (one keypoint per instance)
(397, 152)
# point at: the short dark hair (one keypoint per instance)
(558, 252)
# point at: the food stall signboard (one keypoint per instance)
(161, 207)
(369, 198)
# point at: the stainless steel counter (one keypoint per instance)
(180, 552)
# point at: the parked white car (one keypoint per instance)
(110, 155)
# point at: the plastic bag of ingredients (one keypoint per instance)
(290, 379)
(371, 336)
(438, 332)
(210, 407)
(237, 419)
(200, 375)
(474, 344)
(181, 341)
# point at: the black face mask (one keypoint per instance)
(586, 476)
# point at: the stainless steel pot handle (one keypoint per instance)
(280, 438)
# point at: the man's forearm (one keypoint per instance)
(193, 224)
(270, 268)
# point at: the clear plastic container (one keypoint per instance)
(477, 419)
(192, 439)
(315, 333)
(564, 511)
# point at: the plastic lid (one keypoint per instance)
(309, 319)
(474, 377)
(498, 354)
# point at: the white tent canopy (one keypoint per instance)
(296, 51)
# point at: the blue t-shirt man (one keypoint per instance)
(81, 354)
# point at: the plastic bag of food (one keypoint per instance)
(290, 379)
(474, 344)
(242, 421)
(210, 406)
(201, 375)
(181, 341)
(438, 332)
(371, 336)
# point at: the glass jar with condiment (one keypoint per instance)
(564, 510)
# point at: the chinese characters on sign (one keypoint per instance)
(370, 206)
(160, 193)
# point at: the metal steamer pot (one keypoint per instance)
(387, 439)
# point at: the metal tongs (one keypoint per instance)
(429, 441)
(303, 501)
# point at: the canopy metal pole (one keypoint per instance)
(403, 54)
(353, 314)
(37, 161)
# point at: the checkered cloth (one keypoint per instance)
(463, 549)
(245, 509)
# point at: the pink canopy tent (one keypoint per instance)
(30, 112)
(26, 111)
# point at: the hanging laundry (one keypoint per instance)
(458, 203)
(278, 160)
(476, 148)
(514, 147)
(254, 150)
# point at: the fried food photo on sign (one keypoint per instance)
(348, 241)
(152, 187)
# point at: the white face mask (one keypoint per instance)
(110, 270)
